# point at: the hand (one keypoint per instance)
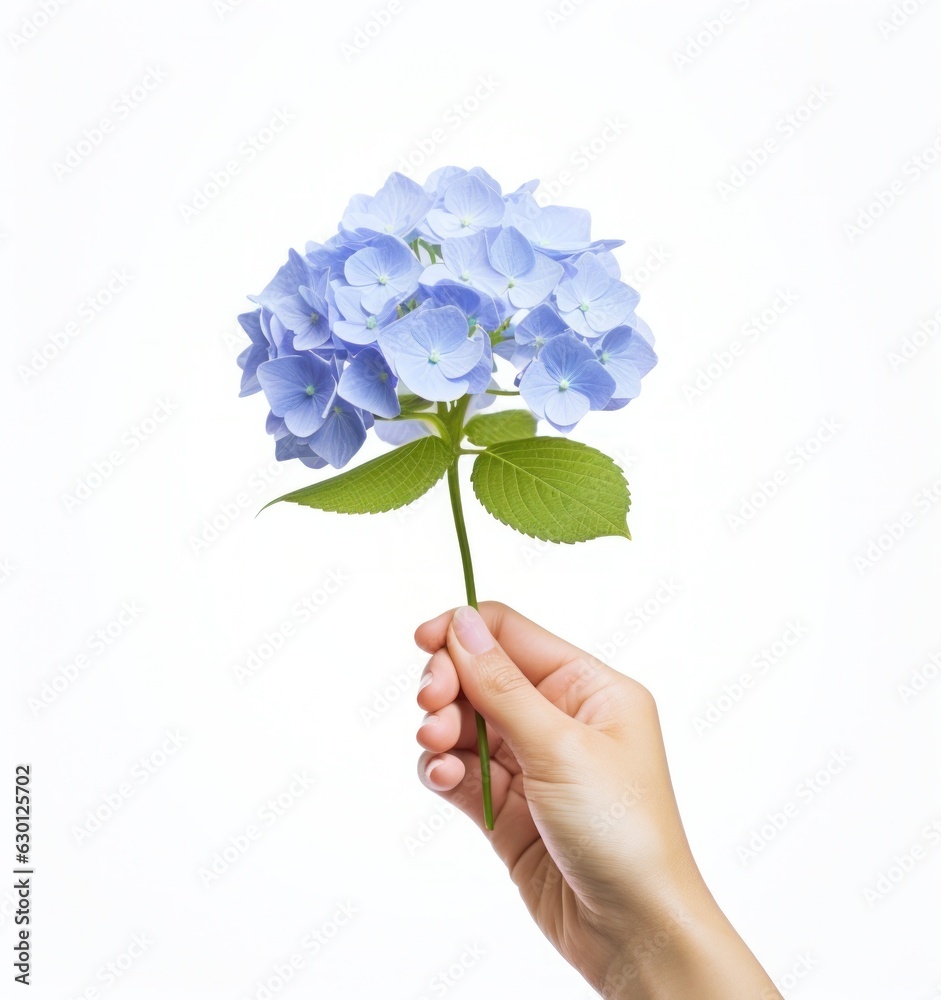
(585, 816)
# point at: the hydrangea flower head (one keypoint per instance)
(440, 291)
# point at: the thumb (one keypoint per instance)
(499, 690)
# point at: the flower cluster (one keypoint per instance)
(415, 298)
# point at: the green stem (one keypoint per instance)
(502, 392)
(457, 508)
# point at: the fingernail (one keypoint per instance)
(431, 767)
(429, 720)
(471, 631)
(426, 679)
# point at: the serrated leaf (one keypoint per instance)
(384, 483)
(492, 428)
(553, 488)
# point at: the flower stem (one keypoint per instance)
(483, 749)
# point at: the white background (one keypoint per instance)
(707, 260)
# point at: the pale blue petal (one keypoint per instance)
(564, 408)
(512, 254)
(341, 436)
(368, 382)
(534, 286)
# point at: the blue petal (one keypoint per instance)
(341, 436)
(564, 408)
(563, 354)
(368, 383)
(511, 253)
(534, 286)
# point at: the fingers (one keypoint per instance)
(500, 691)
(439, 683)
(451, 726)
(536, 651)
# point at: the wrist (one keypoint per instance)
(685, 946)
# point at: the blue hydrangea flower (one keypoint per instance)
(307, 314)
(534, 330)
(565, 382)
(300, 389)
(557, 230)
(369, 383)
(358, 325)
(341, 434)
(396, 209)
(431, 352)
(466, 260)
(529, 276)
(261, 349)
(430, 289)
(385, 271)
(468, 206)
(592, 302)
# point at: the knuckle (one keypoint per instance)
(497, 676)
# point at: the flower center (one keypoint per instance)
(604, 357)
(371, 323)
(563, 385)
(434, 357)
(511, 283)
(465, 222)
(465, 276)
(383, 376)
(584, 307)
(383, 279)
(315, 317)
(310, 390)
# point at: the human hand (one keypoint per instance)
(585, 816)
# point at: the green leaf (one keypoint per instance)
(492, 428)
(553, 488)
(410, 403)
(392, 480)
